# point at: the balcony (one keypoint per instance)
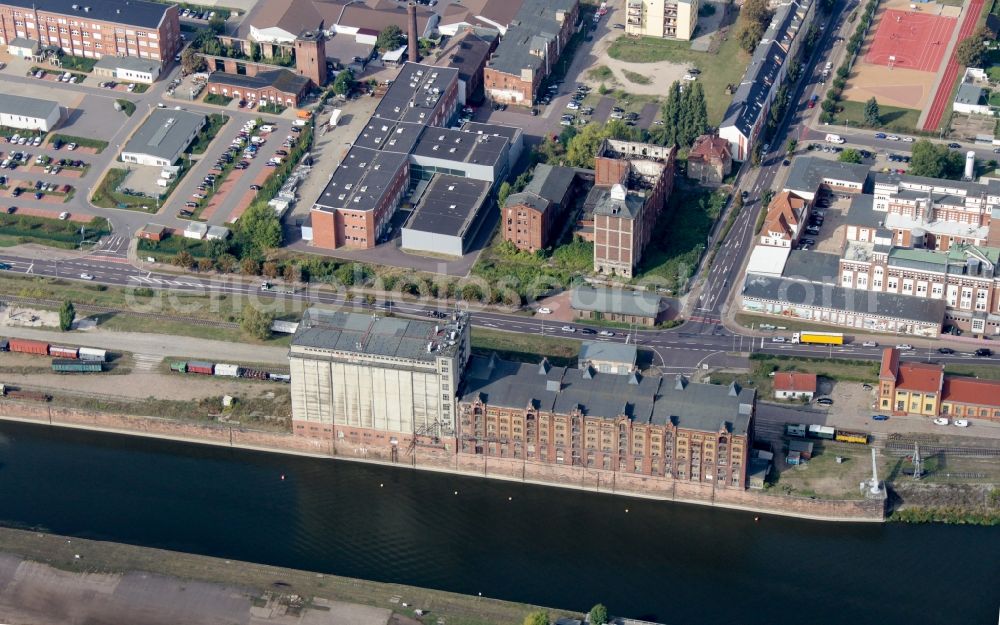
(635, 21)
(635, 11)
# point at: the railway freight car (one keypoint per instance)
(232, 371)
(179, 367)
(28, 346)
(61, 351)
(847, 436)
(204, 368)
(92, 353)
(76, 366)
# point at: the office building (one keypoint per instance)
(91, 29)
(162, 137)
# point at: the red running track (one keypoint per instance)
(951, 71)
(916, 40)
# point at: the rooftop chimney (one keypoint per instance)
(411, 34)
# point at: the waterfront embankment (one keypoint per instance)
(51, 579)
(437, 459)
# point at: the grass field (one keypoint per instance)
(893, 118)
(525, 347)
(717, 70)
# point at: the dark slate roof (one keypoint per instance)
(460, 146)
(361, 180)
(645, 399)
(333, 330)
(812, 266)
(466, 52)
(382, 134)
(808, 172)
(283, 80)
(419, 85)
(889, 305)
(618, 301)
(530, 200)
(863, 213)
(532, 28)
(762, 72)
(602, 201)
(129, 12)
(499, 130)
(551, 182)
(449, 205)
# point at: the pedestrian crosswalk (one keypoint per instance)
(146, 362)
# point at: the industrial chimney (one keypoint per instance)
(411, 33)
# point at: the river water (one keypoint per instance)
(672, 563)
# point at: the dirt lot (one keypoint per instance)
(834, 231)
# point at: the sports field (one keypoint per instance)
(910, 40)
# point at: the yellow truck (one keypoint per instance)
(818, 338)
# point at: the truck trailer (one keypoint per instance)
(818, 338)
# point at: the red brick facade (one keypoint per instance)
(80, 33)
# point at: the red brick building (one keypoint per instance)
(94, 29)
(533, 217)
(652, 426)
(530, 49)
(260, 85)
(924, 389)
(632, 182)
(710, 159)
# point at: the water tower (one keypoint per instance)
(970, 165)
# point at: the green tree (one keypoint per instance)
(540, 617)
(255, 53)
(67, 314)
(344, 82)
(754, 18)
(249, 266)
(849, 155)
(749, 35)
(598, 615)
(671, 115)
(256, 323)
(872, 115)
(581, 150)
(191, 61)
(390, 38)
(183, 259)
(929, 159)
(259, 229)
(502, 193)
(791, 145)
(217, 24)
(698, 113)
(971, 52)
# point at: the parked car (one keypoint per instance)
(824, 401)
(544, 310)
(892, 138)
(945, 350)
(962, 423)
(587, 331)
(907, 139)
(941, 421)
(63, 216)
(568, 329)
(606, 333)
(955, 146)
(880, 135)
(880, 417)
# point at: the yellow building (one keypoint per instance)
(670, 19)
(911, 387)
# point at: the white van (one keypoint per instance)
(831, 138)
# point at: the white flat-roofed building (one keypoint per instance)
(18, 111)
(163, 137)
(128, 69)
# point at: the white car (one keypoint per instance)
(962, 423)
(63, 216)
(690, 77)
(568, 329)
(892, 138)
(869, 344)
(606, 333)
(940, 421)
(71, 147)
(778, 339)
(907, 139)
(86, 276)
(904, 347)
(573, 105)
(544, 311)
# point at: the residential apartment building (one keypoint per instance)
(747, 115)
(632, 182)
(359, 379)
(529, 50)
(531, 218)
(924, 389)
(136, 28)
(669, 19)
(786, 217)
(653, 426)
(710, 159)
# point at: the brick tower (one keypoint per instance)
(310, 56)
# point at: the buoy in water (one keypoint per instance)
(282, 476)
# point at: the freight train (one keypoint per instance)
(41, 348)
(226, 370)
(13, 392)
(825, 432)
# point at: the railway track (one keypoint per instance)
(906, 447)
(30, 301)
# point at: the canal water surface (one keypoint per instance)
(672, 563)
